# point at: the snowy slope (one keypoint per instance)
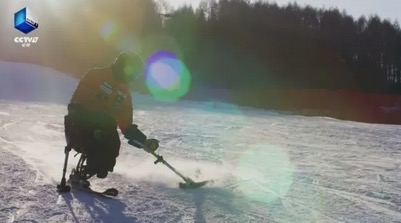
(29, 82)
(266, 167)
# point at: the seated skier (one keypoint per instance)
(100, 104)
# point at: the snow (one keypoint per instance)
(267, 167)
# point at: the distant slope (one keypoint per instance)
(28, 82)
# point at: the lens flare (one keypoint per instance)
(167, 77)
(265, 173)
(109, 31)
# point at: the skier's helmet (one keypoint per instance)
(127, 67)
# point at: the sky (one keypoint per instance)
(386, 9)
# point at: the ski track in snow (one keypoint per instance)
(267, 168)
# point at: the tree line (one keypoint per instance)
(243, 46)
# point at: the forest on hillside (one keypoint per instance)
(237, 45)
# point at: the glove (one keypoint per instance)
(133, 133)
(151, 144)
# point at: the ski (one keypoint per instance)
(194, 185)
(76, 182)
(110, 192)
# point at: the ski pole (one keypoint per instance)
(161, 159)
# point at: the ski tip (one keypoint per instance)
(194, 185)
(111, 192)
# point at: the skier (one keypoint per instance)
(99, 106)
